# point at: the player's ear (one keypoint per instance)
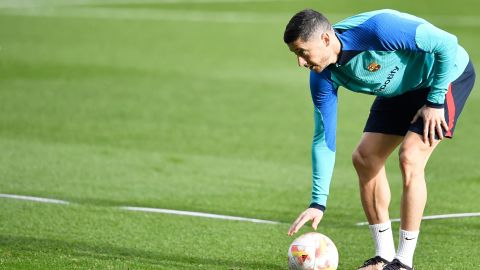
(325, 37)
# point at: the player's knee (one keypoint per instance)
(406, 158)
(410, 162)
(357, 158)
(361, 159)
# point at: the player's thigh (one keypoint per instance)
(374, 148)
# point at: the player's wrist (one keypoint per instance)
(317, 206)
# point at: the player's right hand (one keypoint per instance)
(310, 214)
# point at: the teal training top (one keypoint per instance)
(384, 53)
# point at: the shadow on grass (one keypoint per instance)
(112, 253)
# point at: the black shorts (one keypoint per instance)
(393, 115)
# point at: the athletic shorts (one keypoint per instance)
(393, 115)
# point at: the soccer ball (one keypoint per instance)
(312, 251)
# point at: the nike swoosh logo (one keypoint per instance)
(406, 238)
(384, 230)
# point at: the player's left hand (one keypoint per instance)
(433, 122)
(310, 214)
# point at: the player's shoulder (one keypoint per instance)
(384, 30)
(322, 81)
(321, 77)
(372, 19)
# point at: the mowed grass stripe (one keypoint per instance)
(205, 15)
(50, 236)
(53, 3)
(150, 14)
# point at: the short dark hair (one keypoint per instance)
(304, 24)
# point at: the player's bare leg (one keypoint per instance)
(413, 155)
(369, 160)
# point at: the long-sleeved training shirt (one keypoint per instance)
(384, 53)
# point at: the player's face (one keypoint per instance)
(313, 53)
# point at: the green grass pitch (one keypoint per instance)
(198, 106)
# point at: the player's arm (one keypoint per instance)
(444, 46)
(324, 96)
(323, 146)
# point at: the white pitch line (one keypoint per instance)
(196, 214)
(143, 209)
(30, 198)
(447, 216)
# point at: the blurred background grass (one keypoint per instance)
(199, 106)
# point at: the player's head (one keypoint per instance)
(309, 34)
(304, 25)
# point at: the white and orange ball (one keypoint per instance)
(313, 251)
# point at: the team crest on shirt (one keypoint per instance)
(373, 67)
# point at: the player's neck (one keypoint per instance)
(336, 48)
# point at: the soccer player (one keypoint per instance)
(421, 77)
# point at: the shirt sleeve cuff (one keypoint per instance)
(434, 105)
(317, 206)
